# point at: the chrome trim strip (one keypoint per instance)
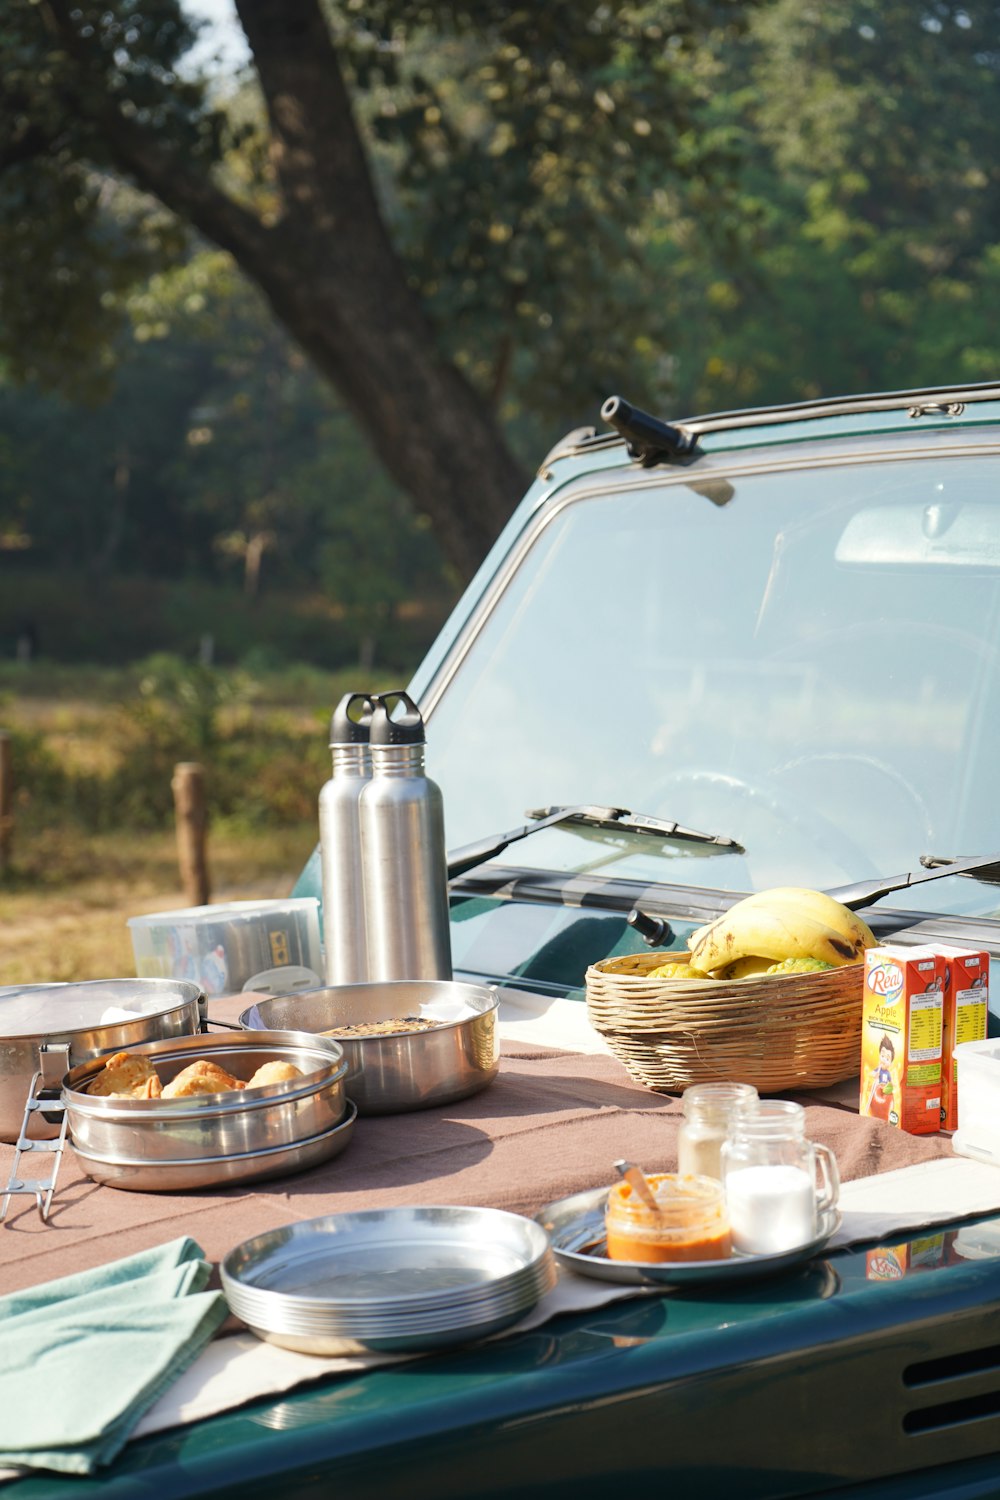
(804, 411)
(839, 406)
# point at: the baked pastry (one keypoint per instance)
(201, 1077)
(276, 1071)
(125, 1075)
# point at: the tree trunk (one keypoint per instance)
(328, 270)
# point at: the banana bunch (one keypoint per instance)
(784, 930)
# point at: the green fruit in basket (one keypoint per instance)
(799, 966)
(675, 971)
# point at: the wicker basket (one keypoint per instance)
(777, 1032)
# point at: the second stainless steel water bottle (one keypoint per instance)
(345, 943)
(403, 847)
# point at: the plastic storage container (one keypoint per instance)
(978, 1072)
(221, 947)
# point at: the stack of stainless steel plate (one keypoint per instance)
(395, 1279)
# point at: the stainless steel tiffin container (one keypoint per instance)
(201, 1140)
(89, 1019)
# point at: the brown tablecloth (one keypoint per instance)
(552, 1123)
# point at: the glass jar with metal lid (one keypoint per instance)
(709, 1110)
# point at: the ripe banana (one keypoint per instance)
(747, 967)
(784, 922)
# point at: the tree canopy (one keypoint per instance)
(431, 199)
(472, 223)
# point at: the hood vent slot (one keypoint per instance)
(950, 1366)
(968, 1368)
(952, 1413)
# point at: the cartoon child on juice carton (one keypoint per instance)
(883, 1087)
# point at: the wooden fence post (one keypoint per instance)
(188, 786)
(6, 800)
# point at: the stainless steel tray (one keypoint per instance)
(390, 1074)
(397, 1279)
(575, 1227)
(164, 1176)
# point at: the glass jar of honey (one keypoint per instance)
(689, 1223)
(709, 1112)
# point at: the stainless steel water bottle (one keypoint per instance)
(345, 950)
(403, 848)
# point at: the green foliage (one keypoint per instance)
(264, 762)
(126, 618)
(74, 237)
(220, 456)
(554, 127)
(867, 249)
(700, 203)
(184, 698)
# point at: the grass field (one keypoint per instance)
(76, 872)
(71, 922)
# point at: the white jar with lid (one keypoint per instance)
(709, 1109)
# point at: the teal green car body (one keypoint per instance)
(822, 1381)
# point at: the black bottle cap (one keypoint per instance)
(351, 721)
(396, 720)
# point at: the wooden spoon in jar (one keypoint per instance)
(636, 1180)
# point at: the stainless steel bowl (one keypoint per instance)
(88, 1019)
(403, 1070)
(205, 1127)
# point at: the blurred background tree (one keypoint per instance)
(418, 192)
(302, 329)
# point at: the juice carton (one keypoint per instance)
(901, 1037)
(966, 1001)
(892, 1262)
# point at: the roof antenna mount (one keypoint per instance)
(646, 437)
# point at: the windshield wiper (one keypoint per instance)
(617, 819)
(864, 892)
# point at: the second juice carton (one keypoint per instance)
(966, 1001)
(902, 1029)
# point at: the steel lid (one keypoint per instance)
(39, 1010)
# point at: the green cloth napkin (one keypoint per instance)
(82, 1358)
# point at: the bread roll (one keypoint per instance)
(201, 1077)
(277, 1071)
(125, 1075)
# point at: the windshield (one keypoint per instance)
(809, 667)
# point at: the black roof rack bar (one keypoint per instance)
(919, 400)
(804, 411)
